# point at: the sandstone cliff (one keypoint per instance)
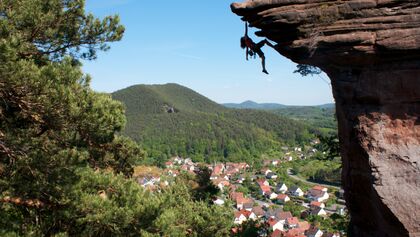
(371, 51)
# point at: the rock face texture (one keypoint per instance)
(371, 51)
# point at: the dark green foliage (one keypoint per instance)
(206, 190)
(319, 169)
(64, 171)
(43, 30)
(330, 145)
(200, 128)
(254, 105)
(320, 118)
(334, 223)
(252, 228)
(294, 208)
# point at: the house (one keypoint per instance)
(240, 217)
(188, 161)
(282, 198)
(271, 175)
(243, 215)
(275, 224)
(304, 225)
(320, 188)
(213, 176)
(275, 162)
(277, 233)
(292, 222)
(239, 199)
(282, 216)
(265, 190)
(219, 202)
(244, 203)
(265, 171)
(240, 179)
(317, 211)
(314, 232)
(296, 191)
(317, 195)
(234, 195)
(177, 160)
(341, 211)
(171, 172)
(263, 182)
(218, 169)
(258, 211)
(243, 166)
(248, 205)
(272, 196)
(274, 213)
(296, 232)
(281, 188)
(221, 183)
(317, 204)
(169, 164)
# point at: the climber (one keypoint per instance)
(252, 48)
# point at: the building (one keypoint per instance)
(296, 191)
(317, 195)
(282, 198)
(314, 232)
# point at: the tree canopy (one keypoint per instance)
(64, 170)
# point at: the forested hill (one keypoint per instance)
(319, 116)
(173, 120)
(249, 104)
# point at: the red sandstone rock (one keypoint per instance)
(371, 51)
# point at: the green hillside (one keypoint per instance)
(321, 117)
(174, 120)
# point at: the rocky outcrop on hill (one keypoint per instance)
(371, 51)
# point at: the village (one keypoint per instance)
(284, 207)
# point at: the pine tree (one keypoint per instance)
(64, 171)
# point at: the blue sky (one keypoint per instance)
(195, 43)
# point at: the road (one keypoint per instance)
(295, 177)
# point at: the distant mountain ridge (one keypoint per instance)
(249, 104)
(172, 119)
(319, 116)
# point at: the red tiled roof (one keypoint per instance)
(296, 232)
(235, 195)
(242, 212)
(292, 221)
(312, 231)
(272, 222)
(316, 193)
(285, 215)
(242, 200)
(277, 233)
(318, 187)
(304, 225)
(258, 211)
(317, 204)
(261, 182)
(265, 188)
(281, 196)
